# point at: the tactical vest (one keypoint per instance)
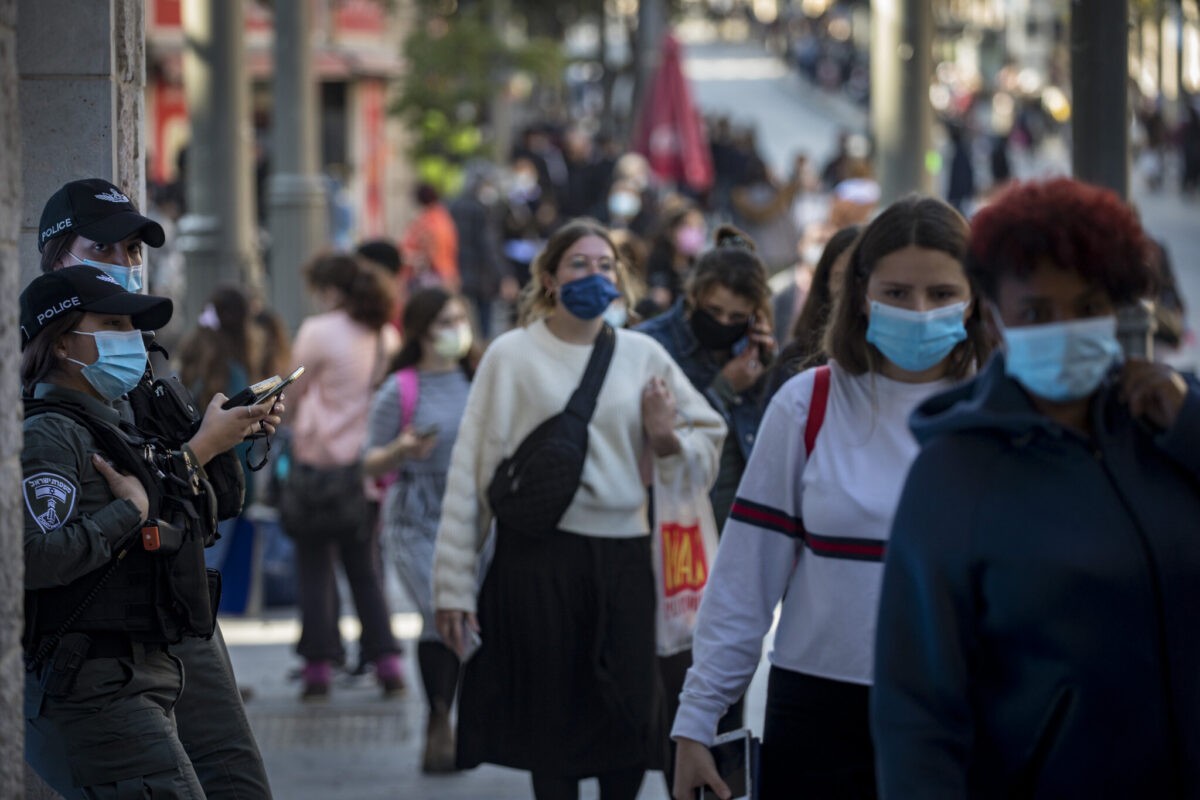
(152, 597)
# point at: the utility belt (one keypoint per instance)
(58, 673)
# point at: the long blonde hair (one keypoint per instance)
(536, 301)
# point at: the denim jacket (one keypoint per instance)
(742, 411)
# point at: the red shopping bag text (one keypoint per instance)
(684, 565)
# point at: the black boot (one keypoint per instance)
(439, 675)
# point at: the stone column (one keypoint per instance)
(901, 117)
(295, 192)
(217, 235)
(71, 106)
(12, 670)
(82, 90)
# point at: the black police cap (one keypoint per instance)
(86, 289)
(97, 210)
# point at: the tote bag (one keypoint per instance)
(683, 546)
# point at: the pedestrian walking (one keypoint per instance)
(114, 564)
(563, 683)
(719, 333)
(345, 349)
(811, 519)
(1036, 634)
(805, 347)
(412, 427)
(93, 222)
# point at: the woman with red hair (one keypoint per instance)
(1036, 630)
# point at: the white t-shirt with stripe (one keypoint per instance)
(827, 569)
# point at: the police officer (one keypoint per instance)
(93, 222)
(113, 573)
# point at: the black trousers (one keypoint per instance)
(816, 739)
(359, 554)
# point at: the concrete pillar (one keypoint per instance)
(217, 235)
(295, 192)
(71, 106)
(82, 96)
(12, 670)
(901, 116)
(1100, 119)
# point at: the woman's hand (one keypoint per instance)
(1153, 391)
(409, 446)
(658, 417)
(223, 428)
(452, 625)
(744, 370)
(123, 487)
(694, 768)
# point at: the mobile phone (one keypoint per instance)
(262, 391)
(278, 390)
(427, 431)
(736, 756)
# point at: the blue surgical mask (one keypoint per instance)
(1062, 361)
(130, 278)
(120, 364)
(587, 298)
(916, 340)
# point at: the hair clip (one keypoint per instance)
(735, 240)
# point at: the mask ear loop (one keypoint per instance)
(992, 323)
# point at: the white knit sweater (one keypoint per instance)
(810, 530)
(527, 375)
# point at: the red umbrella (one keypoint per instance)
(669, 131)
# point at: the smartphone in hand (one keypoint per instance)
(736, 756)
(262, 391)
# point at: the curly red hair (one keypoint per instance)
(1075, 226)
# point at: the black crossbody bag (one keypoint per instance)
(532, 489)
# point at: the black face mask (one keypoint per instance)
(711, 334)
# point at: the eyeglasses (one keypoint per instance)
(603, 263)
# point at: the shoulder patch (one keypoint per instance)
(50, 499)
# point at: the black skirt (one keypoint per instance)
(565, 682)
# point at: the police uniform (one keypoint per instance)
(210, 714)
(73, 526)
(103, 599)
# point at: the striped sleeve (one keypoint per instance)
(754, 563)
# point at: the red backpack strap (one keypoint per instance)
(816, 408)
(408, 385)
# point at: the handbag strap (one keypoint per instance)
(583, 401)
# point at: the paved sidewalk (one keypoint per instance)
(357, 746)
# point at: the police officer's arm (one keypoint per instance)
(62, 541)
(224, 428)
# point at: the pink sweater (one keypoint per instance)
(341, 359)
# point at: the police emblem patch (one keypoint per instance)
(50, 499)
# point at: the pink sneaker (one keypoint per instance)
(389, 669)
(317, 676)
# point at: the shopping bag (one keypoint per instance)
(683, 545)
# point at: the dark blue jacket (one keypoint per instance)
(742, 411)
(1038, 628)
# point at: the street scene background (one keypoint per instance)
(357, 746)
